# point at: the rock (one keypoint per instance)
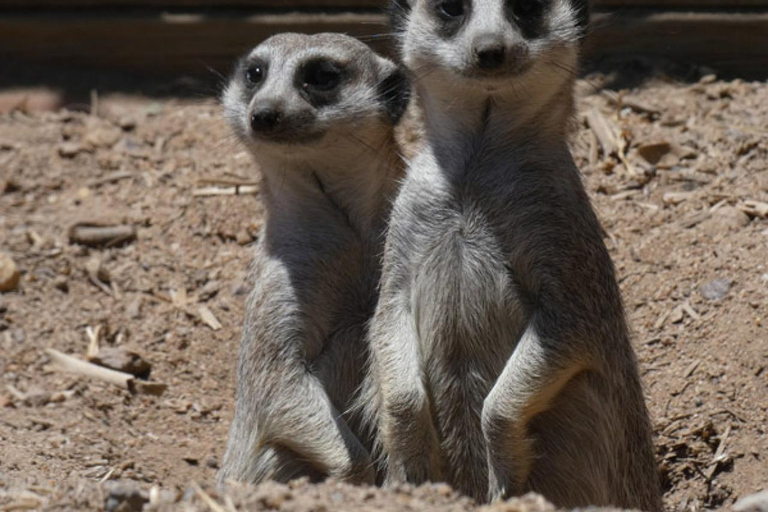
(71, 149)
(34, 99)
(9, 273)
(61, 283)
(133, 310)
(211, 462)
(18, 335)
(37, 397)
(754, 503)
(124, 497)
(103, 137)
(724, 220)
(654, 152)
(716, 289)
(127, 123)
(123, 360)
(243, 237)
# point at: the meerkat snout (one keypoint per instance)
(489, 52)
(265, 119)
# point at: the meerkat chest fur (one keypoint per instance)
(496, 104)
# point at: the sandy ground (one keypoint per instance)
(680, 182)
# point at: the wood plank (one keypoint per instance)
(734, 42)
(156, 43)
(216, 4)
(159, 43)
(369, 4)
(680, 4)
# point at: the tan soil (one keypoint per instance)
(673, 228)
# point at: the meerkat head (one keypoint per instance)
(490, 44)
(297, 92)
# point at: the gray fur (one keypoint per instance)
(316, 268)
(501, 360)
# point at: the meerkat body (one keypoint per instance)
(317, 113)
(501, 356)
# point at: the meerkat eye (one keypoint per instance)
(321, 75)
(255, 74)
(451, 8)
(527, 8)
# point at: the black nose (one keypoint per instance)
(489, 56)
(265, 120)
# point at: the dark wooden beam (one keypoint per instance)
(152, 41)
(357, 4)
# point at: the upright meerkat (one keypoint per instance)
(318, 115)
(501, 360)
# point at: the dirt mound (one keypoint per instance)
(677, 172)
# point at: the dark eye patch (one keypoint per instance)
(529, 16)
(451, 8)
(320, 80)
(450, 16)
(321, 75)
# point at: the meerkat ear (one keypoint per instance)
(394, 91)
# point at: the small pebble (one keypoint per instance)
(124, 497)
(71, 149)
(9, 273)
(61, 283)
(716, 289)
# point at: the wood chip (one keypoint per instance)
(142, 387)
(594, 150)
(676, 316)
(110, 178)
(675, 198)
(694, 219)
(690, 311)
(719, 455)
(691, 368)
(755, 209)
(207, 316)
(215, 507)
(229, 191)
(93, 341)
(94, 235)
(606, 135)
(22, 504)
(623, 100)
(69, 364)
(98, 274)
(227, 182)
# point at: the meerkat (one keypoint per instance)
(501, 359)
(318, 115)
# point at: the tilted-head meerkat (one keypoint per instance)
(318, 115)
(501, 356)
